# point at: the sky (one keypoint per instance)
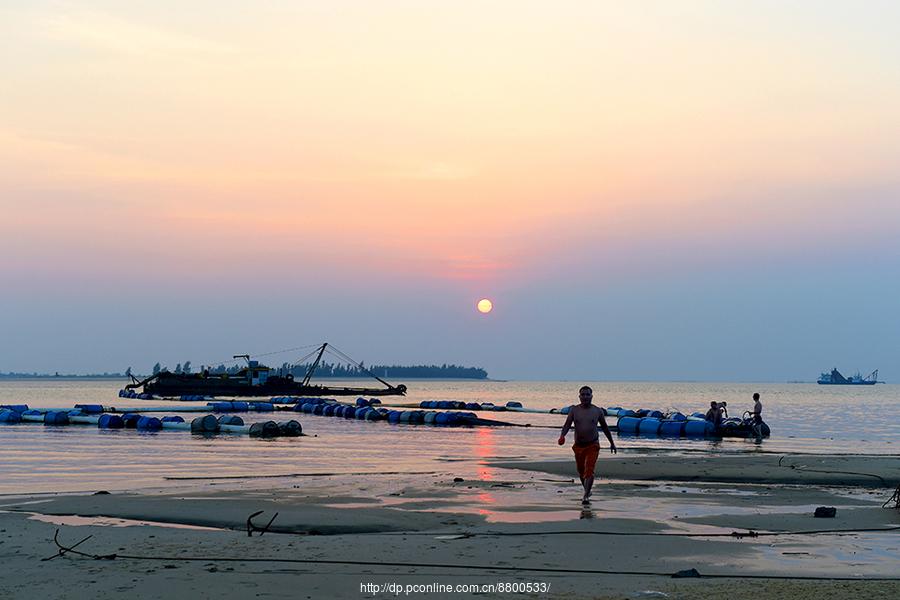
(645, 190)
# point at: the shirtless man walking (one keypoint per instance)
(586, 417)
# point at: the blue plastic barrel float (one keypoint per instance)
(697, 429)
(177, 419)
(56, 418)
(361, 413)
(265, 429)
(230, 420)
(149, 424)
(290, 428)
(9, 416)
(205, 424)
(108, 421)
(240, 406)
(675, 416)
(672, 428)
(649, 426)
(328, 410)
(629, 425)
(90, 409)
(374, 415)
(318, 409)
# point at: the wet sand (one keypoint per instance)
(517, 517)
(791, 469)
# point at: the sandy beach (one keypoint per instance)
(521, 523)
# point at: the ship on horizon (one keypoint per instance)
(835, 378)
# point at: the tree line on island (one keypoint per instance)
(347, 371)
(298, 371)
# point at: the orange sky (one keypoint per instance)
(482, 145)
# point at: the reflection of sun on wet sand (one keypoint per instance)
(516, 519)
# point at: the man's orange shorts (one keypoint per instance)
(586, 458)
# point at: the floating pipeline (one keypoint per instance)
(217, 407)
(206, 424)
(676, 425)
(240, 406)
(133, 394)
(393, 416)
(183, 397)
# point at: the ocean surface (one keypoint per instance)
(36, 458)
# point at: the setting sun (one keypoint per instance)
(485, 306)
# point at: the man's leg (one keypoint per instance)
(579, 462)
(590, 462)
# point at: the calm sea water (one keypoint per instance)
(35, 458)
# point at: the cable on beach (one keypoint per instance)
(62, 550)
(830, 472)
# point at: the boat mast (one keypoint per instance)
(312, 367)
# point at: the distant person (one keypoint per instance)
(585, 416)
(714, 414)
(756, 415)
(723, 408)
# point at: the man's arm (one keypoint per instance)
(605, 428)
(567, 426)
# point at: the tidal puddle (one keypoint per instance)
(78, 521)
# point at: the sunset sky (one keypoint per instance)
(645, 190)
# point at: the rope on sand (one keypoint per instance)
(803, 468)
(62, 550)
